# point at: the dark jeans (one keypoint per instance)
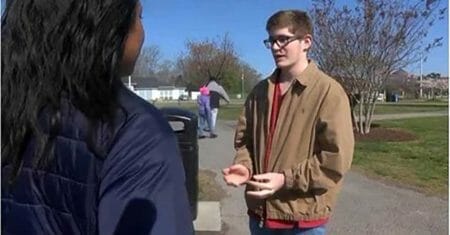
(204, 122)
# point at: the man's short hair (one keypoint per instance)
(297, 21)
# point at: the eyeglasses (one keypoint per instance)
(281, 41)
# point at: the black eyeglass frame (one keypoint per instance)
(269, 42)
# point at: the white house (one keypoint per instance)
(153, 89)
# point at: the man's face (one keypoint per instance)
(287, 48)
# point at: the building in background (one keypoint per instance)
(152, 89)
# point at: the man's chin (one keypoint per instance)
(281, 65)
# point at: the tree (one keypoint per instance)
(240, 73)
(251, 76)
(441, 86)
(363, 45)
(207, 58)
(433, 75)
(147, 63)
(403, 82)
(435, 86)
(167, 71)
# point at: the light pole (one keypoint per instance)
(421, 71)
(242, 84)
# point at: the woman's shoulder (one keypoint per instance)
(141, 114)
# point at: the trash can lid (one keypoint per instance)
(178, 112)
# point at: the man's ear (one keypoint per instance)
(307, 40)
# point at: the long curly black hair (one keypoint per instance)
(52, 49)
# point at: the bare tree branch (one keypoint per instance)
(362, 46)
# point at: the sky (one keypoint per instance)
(168, 24)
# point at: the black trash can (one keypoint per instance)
(184, 124)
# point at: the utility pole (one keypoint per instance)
(421, 72)
(242, 84)
(129, 83)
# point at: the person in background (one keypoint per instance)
(204, 113)
(216, 93)
(294, 139)
(80, 153)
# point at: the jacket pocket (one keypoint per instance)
(320, 206)
(305, 205)
(311, 204)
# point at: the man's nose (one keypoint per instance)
(275, 46)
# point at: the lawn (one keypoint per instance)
(227, 112)
(394, 108)
(421, 163)
(231, 111)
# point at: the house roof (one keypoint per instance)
(399, 75)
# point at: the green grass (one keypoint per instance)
(226, 112)
(422, 163)
(232, 111)
(394, 108)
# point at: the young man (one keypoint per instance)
(216, 93)
(294, 140)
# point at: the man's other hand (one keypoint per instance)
(236, 175)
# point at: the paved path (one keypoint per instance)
(365, 206)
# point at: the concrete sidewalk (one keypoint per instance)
(216, 154)
(365, 206)
(209, 218)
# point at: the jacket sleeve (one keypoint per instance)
(142, 188)
(334, 145)
(224, 94)
(241, 142)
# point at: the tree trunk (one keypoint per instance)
(353, 102)
(360, 121)
(354, 122)
(371, 108)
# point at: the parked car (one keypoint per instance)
(381, 97)
(183, 97)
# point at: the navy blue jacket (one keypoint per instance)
(137, 189)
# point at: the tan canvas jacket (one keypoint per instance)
(312, 144)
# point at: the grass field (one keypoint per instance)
(231, 111)
(394, 108)
(422, 163)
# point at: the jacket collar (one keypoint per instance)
(305, 78)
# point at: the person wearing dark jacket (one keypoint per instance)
(81, 154)
(216, 92)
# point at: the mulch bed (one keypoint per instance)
(378, 133)
(209, 190)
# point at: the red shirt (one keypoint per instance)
(273, 223)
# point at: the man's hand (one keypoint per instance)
(266, 184)
(236, 175)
